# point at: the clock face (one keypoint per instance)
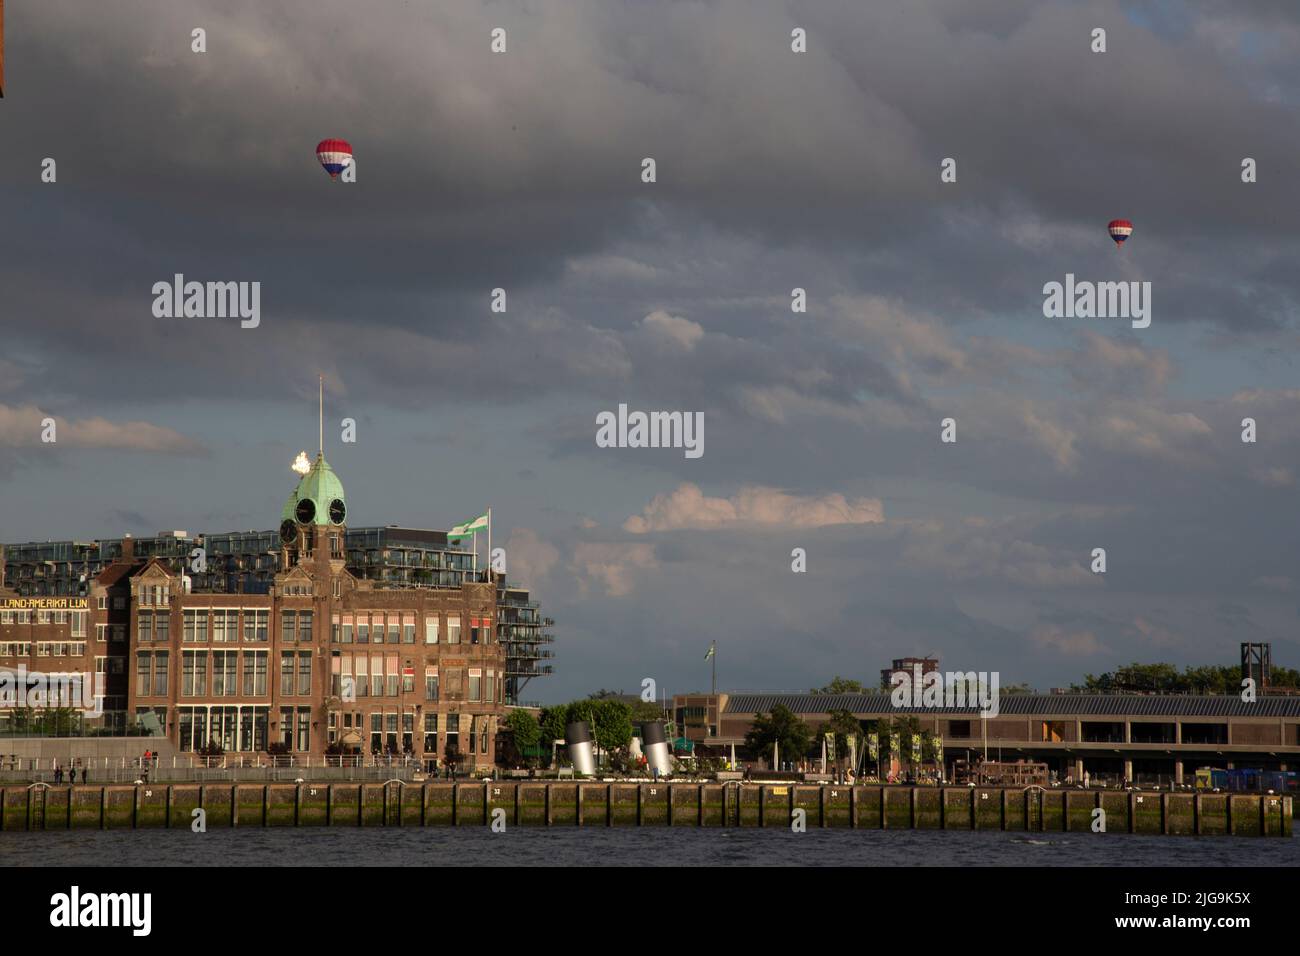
(305, 511)
(288, 531)
(338, 511)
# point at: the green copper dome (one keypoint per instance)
(318, 499)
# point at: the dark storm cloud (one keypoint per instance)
(775, 170)
(480, 170)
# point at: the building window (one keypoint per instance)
(363, 629)
(101, 602)
(453, 629)
(288, 627)
(223, 674)
(101, 633)
(376, 733)
(408, 629)
(286, 726)
(304, 673)
(431, 683)
(144, 627)
(453, 733)
(391, 675)
(194, 673)
(162, 627)
(304, 728)
(489, 689)
(475, 681)
(225, 625)
(255, 673)
(393, 630)
(431, 733)
(195, 626)
(255, 625)
(431, 630)
(79, 623)
(142, 662)
(160, 674)
(363, 676)
(304, 627)
(408, 680)
(286, 674)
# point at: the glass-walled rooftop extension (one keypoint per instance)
(245, 562)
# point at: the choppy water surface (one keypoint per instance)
(631, 846)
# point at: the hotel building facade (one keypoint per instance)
(278, 642)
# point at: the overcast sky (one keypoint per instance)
(775, 170)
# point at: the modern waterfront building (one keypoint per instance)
(1140, 737)
(308, 639)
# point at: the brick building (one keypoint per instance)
(312, 657)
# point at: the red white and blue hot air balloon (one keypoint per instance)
(334, 155)
(1120, 229)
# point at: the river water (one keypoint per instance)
(647, 846)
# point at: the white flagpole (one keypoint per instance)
(489, 554)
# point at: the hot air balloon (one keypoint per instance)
(334, 154)
(1120, 229)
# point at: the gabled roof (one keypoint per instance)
(116, 572)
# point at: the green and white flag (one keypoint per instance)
(712, 649)
(467, 529)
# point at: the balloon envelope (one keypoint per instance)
(334, 155)
(1120, 229)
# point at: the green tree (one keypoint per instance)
(843, 725)
(524, 726)
(645, 710)
(552, 723)
(840, 685)
(780, 726)
(610, 720)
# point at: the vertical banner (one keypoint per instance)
(873, 745)
(916, 750)
(830, 746)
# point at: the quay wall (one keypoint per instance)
(115, 806)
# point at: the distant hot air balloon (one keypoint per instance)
(334, 154)
(1120, 229)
